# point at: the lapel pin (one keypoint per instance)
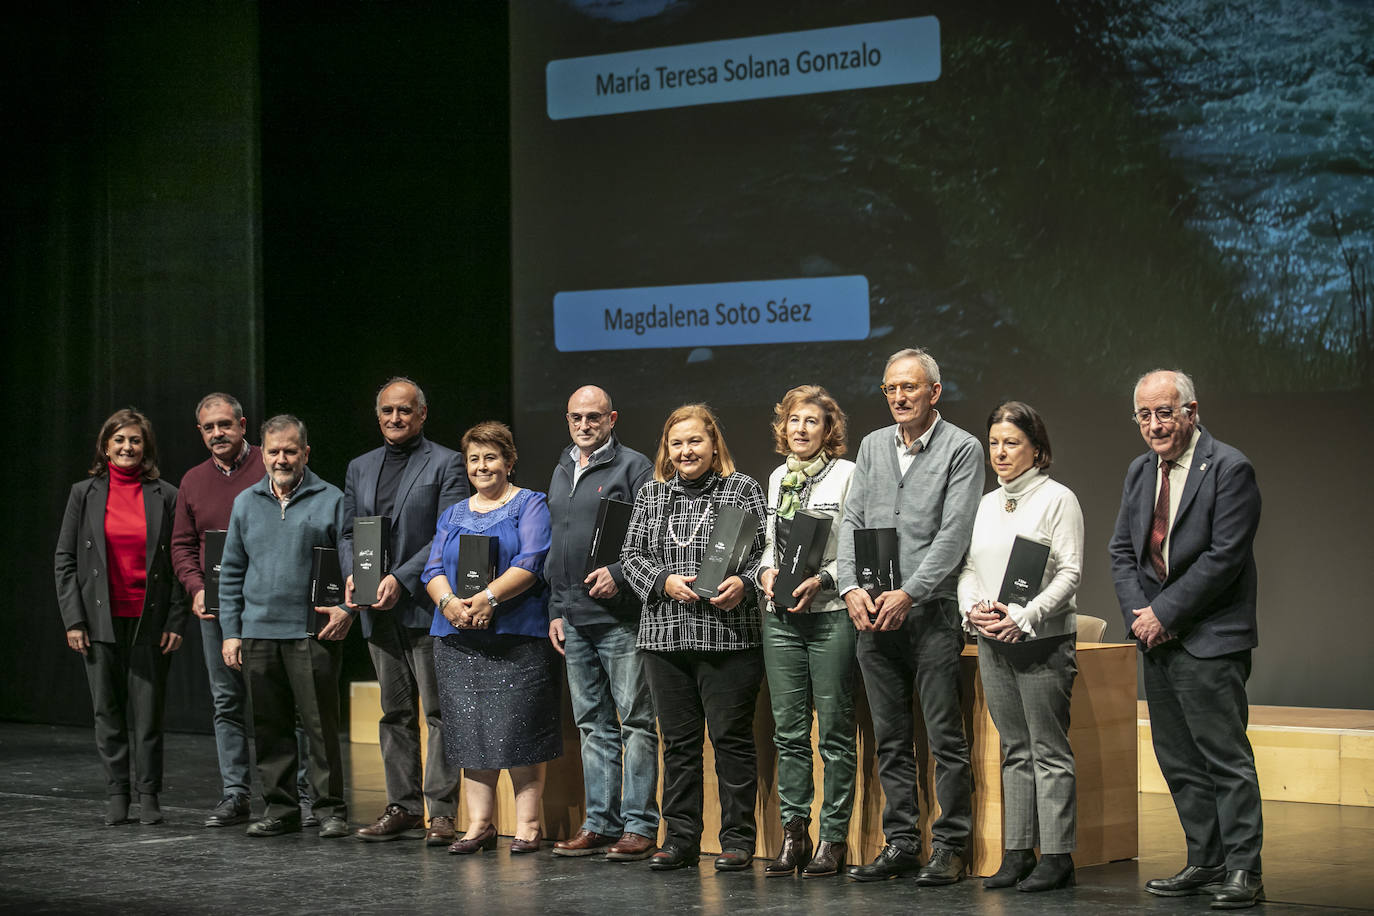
(1202, 467)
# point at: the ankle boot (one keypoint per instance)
(116, 810)
(149, 811)
(1016, 865)
(796, 849)
(1054, 871)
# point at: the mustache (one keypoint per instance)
(220, 440)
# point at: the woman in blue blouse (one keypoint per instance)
(498, 688)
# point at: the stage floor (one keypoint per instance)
(57, 857)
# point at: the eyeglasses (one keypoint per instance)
(1162, 414)
(591, 419)
(906, 388)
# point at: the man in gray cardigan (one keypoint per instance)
(923, 477)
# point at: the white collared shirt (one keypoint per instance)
(578, 467)
(1178, 476)
(907, 453)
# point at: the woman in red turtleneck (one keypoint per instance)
(122, 607)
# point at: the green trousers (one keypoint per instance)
(810, 664)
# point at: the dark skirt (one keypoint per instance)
(501, 701)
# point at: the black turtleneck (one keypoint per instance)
(393, 468)
(695, 489)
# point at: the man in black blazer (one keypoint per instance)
(410, 480)
(1184, 566)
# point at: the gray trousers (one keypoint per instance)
(404, 660)
(920, 658)
(1028, 686)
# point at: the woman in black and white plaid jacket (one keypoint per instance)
(703, 659)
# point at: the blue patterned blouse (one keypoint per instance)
(521, 528)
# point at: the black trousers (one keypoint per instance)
(286, 676)
(128, 691)
(920, 659)
(693, 691)
(1198, 715)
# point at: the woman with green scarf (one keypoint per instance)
(808, 649)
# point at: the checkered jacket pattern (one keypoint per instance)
(665, 516)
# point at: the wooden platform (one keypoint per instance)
(1103, 735)
(1301, 754)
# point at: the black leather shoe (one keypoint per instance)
(334, 827)
(1240, 889)
(231, 810)
(149, 811)
(828, 860)
(274, 826)
(1054, 871)
(1194, 879)
(734, 860)
(892, 862)
(675, 855)
(1016, 865)
(946, 866)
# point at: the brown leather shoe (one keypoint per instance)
(440, 832)
(585, 843)
(485, 841)
(392, 825)
(631, 847)
(519, 846)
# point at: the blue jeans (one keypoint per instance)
(230, 697)
(612, 707)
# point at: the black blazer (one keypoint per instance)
(434, 479)
(82, 572)
(1208, 599)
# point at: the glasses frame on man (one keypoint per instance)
(591, 419)
(1164, 415)
(907, 388)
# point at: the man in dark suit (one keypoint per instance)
(410, 480)
(1184, 567)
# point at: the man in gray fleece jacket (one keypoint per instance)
(923, 477)
(266, 616)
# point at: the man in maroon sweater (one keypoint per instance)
(207, 498)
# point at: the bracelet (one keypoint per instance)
(445, 599)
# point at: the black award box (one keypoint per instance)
(1025, 571)
(727, 548)
(371, 556)
(326, 587)
(612, 521)
(213, 554)
(877, 564)
(802, 555)
(476, 564)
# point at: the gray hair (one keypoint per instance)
(214, 396)
(1183, 384)
(284, 421)
(397, 380)
(928, 363)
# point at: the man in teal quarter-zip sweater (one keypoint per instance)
(266, 616)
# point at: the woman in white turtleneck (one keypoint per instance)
(1026, 654)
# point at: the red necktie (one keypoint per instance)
(1159, 528)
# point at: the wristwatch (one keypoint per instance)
(491, 599)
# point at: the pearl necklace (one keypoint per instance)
(506, 495)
